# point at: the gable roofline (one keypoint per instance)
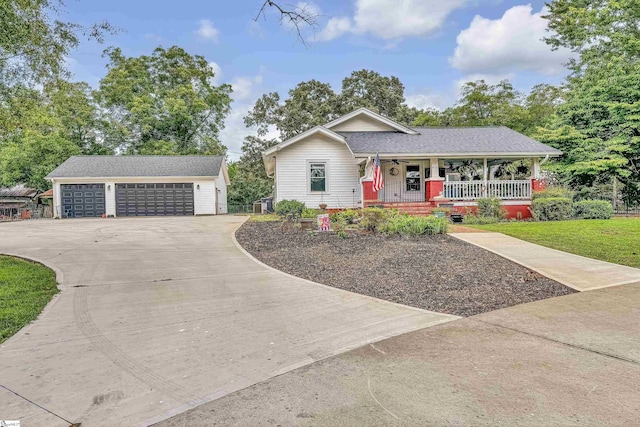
(317, 129)
(374, 116)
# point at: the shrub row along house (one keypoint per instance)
(422, 168)
(95, 186)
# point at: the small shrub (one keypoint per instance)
(373, 218)
(552, 209)
(593, 209)
(311, 213)
(491, 208)
(350, 216)
(406, 225)
(342, 234)
(291, 210)
(553, 193)
(479, 220)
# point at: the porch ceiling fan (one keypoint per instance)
(395, 161)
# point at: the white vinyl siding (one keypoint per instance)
(221, 194)
(362, 123)
(204, 198)
(293, 170)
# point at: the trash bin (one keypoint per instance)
(267, 204)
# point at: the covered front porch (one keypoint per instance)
(453, 182)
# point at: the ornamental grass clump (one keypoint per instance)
(410, 226)
(290, 210)
(374, 218)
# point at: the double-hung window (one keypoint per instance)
(318, 177)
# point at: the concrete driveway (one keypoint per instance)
(158, 315)
(566, 361)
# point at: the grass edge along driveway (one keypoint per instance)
(25, 289)
(615, 240)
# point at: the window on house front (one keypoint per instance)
(318, 176)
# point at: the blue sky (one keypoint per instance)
(431, 45)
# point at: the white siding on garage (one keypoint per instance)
(204, 198)
(343, 175)
(110, 198)
(221, 185)
(362, 123)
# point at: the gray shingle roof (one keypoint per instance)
(481, 140)
(130, 166)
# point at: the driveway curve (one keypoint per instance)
(159, 315)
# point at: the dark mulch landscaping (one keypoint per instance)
(438, 273)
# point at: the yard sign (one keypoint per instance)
(324, 224)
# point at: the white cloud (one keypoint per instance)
(335, 28)
(513, 42)
(392, 19)
(243, 86)
(217, 73)
(429, 100)
(207, 31)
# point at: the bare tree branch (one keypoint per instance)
(297, 16)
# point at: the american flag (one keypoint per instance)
(378, 181)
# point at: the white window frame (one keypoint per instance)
(326, 176)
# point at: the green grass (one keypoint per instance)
(263, 217)
(25, 288)
(615, 240)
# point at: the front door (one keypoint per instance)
(412, 188)
(393, 182)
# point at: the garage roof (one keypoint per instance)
(130, 166)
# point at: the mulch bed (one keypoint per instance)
(437, 273)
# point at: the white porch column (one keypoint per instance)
(535, 168)
(485, 177)
(435, 169)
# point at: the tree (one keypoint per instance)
(297, 16)
(309, 104)
(603, 92)
(366, 88)
(75, 108)
(31, 157)
(33, 46)
(315, 103)
(165, 102)
(482, 104)
(250, 181)
(585, 160)
(595, 30)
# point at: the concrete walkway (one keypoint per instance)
(575, 271)
(567, 361)
(159, 315)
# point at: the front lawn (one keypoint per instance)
(25, 288)
(615, 240)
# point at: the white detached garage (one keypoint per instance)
(90, 186)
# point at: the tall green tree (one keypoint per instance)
(34, 40)
(483, 104)
(366, 88)
(315, 103)
(250, 181)
(163, 102)
(603, 91)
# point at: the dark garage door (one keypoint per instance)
(154, 199)
(82, 200)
